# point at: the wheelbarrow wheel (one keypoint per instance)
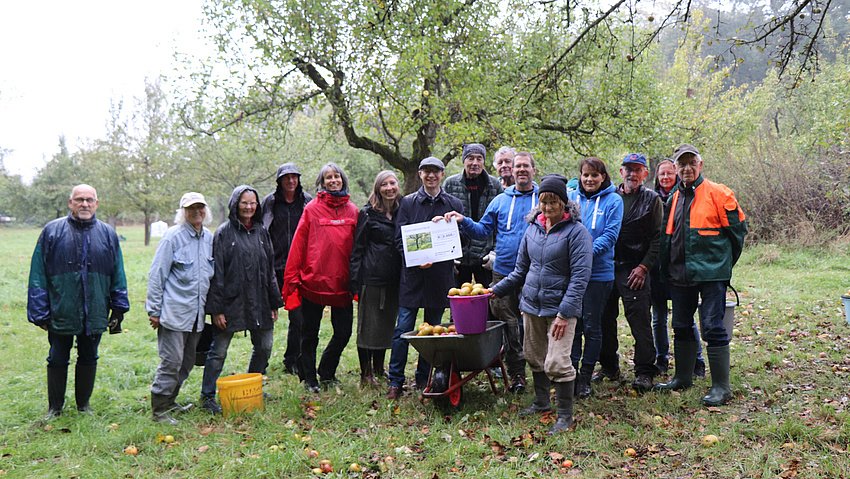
(453, 399)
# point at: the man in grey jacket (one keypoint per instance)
(178, 282)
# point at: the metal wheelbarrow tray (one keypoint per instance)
(449, 355)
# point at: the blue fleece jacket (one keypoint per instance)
(602, 215)
(506, 214)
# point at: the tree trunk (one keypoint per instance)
(147, 228)
(112, 220)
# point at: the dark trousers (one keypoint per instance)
(686, 299)
(342, 319)
(60, 349)
(636, 304)
(293, 335)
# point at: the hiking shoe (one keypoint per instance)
(603, 374)
(394, 393)
(642, 383)
(699, 369)
(518, 384)
(211, 405)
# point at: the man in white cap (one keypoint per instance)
(178, 282)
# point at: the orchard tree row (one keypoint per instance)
(762, 89)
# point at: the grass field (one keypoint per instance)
(790, 416)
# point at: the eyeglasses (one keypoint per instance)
(248, 205)
(80, 201)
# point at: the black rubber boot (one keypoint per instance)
(541, 405)
(161, 405)
(685, 354)
(582, 385)
(57, 380)
(718, 362)
(84, 376)
(564, 391)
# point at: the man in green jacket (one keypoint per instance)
(76, 279)
(702, 238)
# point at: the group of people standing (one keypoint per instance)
(558, 260)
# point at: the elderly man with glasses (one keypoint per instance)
(77, 290)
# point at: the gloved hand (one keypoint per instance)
(488, 260)
(115, 322)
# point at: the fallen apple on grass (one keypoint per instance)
(710, 440)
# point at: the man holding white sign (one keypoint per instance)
(422, 285)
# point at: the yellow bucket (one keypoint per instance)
(240, 393)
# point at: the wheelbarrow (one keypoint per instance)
(452, 354)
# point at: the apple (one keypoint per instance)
(821, 354)
(325, 466)
(631, 452)
(312, 454)
(354, 467)
(317, 471)
(567, 464)
(710, 440)
(131, 450)
(168, 439)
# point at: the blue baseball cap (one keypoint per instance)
(635, 158)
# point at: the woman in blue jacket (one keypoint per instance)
(602, 215)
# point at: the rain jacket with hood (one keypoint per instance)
(243, 287)
(317, 268)
(506, 215)
(551, 268)
(602, 215)
(282, 221)
(76, 277)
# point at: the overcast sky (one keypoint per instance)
(61, 63)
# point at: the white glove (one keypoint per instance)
(488, 260)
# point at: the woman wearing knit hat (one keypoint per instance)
(552, 268)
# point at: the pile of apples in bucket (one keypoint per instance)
(469, 289)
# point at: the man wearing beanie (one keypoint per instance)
(506, 216)
(634, 254)
(475, 189)
(702, 238)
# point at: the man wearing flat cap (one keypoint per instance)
(634, 255)
(475, 189)
(702, 238)
(178, 282)
(422, 286)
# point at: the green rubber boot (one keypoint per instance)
(685, 353)
(720, 392)
(541, 405)
(564, 391)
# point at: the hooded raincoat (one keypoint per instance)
(243, 287)
(318, 263)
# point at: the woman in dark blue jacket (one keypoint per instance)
(553, 267)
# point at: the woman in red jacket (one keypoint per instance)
(316, 273)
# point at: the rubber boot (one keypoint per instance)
(541, 405)
(57, 380)
(720, 392)
(582, 385)
(685, 354)
(84, 375)
(564, 391)
(160, 405)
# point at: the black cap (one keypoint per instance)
(554, 183)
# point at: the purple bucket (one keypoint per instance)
(469, 313)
